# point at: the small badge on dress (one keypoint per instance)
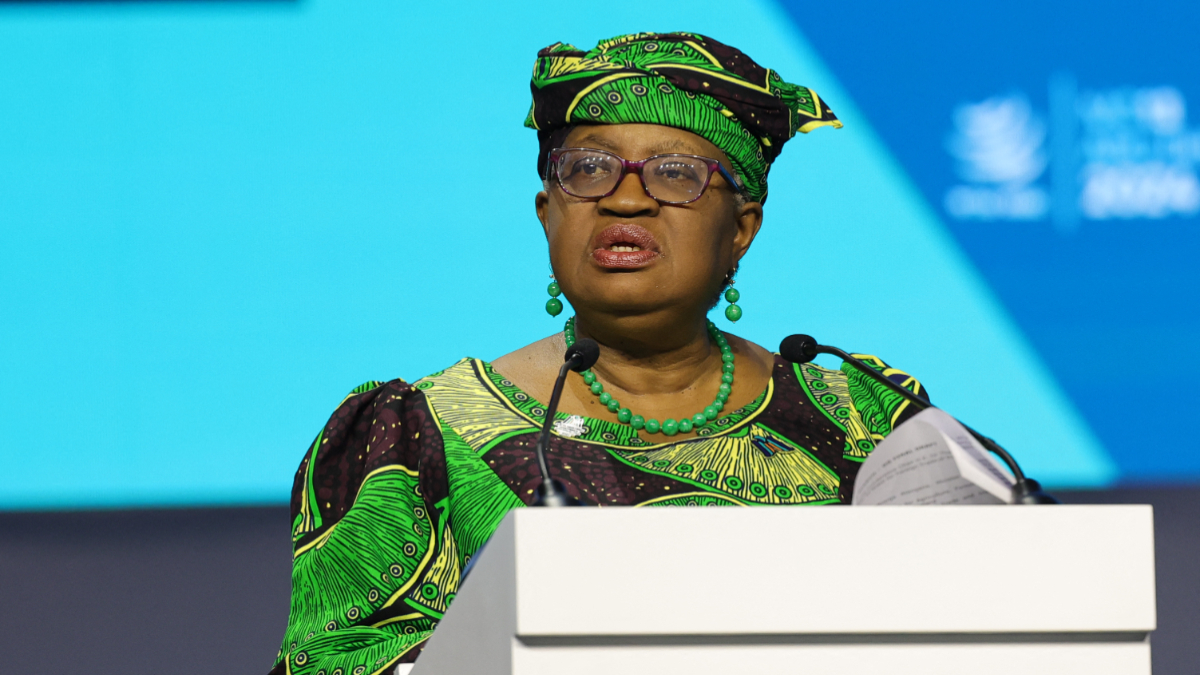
(570, 427)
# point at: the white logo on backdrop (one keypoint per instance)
(999, 147)
(1112, 154)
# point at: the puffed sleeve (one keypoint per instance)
(881, 409)
(373, 568)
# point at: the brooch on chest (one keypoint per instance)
(571, 427)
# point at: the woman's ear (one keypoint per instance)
(748, 222)
(540, 203)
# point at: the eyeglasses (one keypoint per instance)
(668, 179)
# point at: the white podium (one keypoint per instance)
(1052, 590)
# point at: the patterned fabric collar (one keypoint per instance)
(496, 401)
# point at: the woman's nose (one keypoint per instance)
(630, 198)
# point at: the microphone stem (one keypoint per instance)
(552, 497)
(923, 404)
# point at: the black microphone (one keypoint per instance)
(804, 348)
(579, 357)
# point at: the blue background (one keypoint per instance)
(1112, 308)
(218, 218)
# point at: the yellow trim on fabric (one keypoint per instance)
(437, 420)
(595, 85)
(704, 51)
(306, 519)
(868, 358)
(816, 124)
(394, 619)
(888, 372)
(728, 78)
(481, 370)
(416, 570)
(816, 106)
(356, 393)
(732, 500)
(904, 403)
(381, 470)
(318, 542)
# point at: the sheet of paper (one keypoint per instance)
(919, 463)
(979, 465)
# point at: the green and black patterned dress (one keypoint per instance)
(407, 481)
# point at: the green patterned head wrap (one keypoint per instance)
(679, 80)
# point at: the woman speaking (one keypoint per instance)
(654, 151)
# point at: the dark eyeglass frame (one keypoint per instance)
(714, 167)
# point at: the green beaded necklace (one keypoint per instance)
(668, 427)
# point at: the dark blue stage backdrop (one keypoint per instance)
(1053, 139)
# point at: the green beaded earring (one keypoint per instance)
(732, 312)
(554, 306)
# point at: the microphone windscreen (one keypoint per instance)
(583, 354)
(798, 348)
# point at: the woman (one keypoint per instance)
(654, 149)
